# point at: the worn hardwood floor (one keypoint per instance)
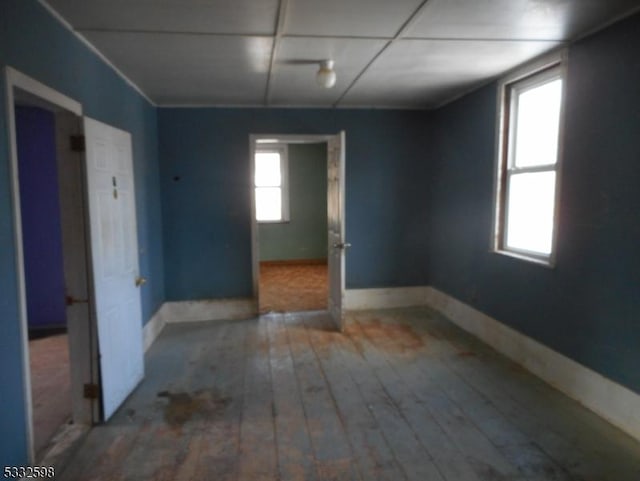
(50, 388)
(401, 395)
(293, 287)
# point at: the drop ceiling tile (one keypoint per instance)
(515, 19)
(364, 18)
(294, 82)
(191, 69)
(192, 16)
(425, 73)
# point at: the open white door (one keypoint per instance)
(335, 210)
(114, 252)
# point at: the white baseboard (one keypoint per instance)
(359, 299)
(615, 403)
(153, 328)
(210, 310)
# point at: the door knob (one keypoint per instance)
(140, 280)
(341, 245)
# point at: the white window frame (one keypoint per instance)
(283, 150)
(538, 72)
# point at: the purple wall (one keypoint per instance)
(42, 236)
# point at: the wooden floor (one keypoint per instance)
(50, 388)
(402, 395)
(293, 287)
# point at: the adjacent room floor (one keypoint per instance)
(50, 388)
(293, 287)
(401, 395)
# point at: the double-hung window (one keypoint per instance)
(271, 183)
(530, 129)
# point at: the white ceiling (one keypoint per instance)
(388, 53)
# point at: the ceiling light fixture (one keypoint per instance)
(326, 76)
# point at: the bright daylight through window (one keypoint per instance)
(528, 163)
(271, 186)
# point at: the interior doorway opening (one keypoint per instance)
(298, 222)
(290, 182)
(53, 275)
(43, 270)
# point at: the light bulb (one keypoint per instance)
(326, 76)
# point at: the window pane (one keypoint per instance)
(268, 203)
(530, 211)
(268, 169)
(537, 123)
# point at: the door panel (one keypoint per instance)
(115, 261)
(335, 210)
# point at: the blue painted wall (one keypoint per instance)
(418, 206)
(40, 209)
(36, 44)
(304, 236)
(206, 186)
(588, 306)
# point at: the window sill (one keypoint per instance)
(548, 263)
(268, 222)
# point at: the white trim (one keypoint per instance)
(615, 403)
(94, 50)
(190, 311)
(550, 64)
(154, 327)
(16, 78)
(19, 260)
(210, 105)
(209, 310)
(253, 143)
(382, 298)
(526, 69)
(291, 138)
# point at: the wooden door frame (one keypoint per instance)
(16, 79)
(282, 139)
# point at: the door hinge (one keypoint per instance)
(91, 391)
(77, 143)
(70, 301)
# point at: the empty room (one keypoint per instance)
(305, 240)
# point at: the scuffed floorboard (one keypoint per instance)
(403, 394)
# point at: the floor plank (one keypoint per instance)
(403, 394)
(370, 447)
(332, 450)
(50, 389)
(363, 363)
(568, 433)
(296, 460)
(257, 430)
(458, 448)
(483, 451)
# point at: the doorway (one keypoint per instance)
(298, 183)
(53, 274)
(97, 237)
(291, 211)
(43, 270)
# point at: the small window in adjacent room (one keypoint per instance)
(528, 158)
(271, 184)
